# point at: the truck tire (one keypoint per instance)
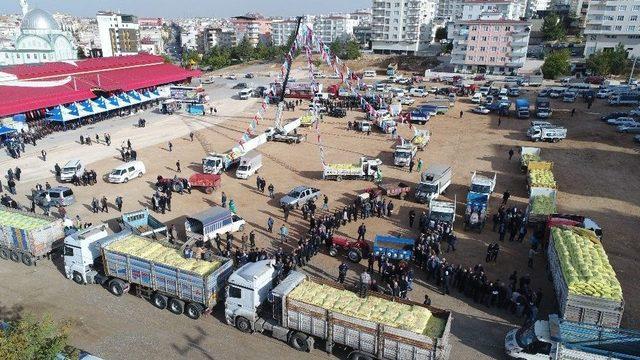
(338, 178)
(176, 306)
(354, 255)
(298, 341)
(243, 324)
(160, 301)
(4, 253)
(14, 256)
(356, 355)
(126, 180)
(27, 259)
(241, 228)
(193, 311)
(208, 190)
(333, 251)
(116, 287)
(77, 278)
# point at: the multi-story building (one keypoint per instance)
(609, 23)
(331, 27)
(119, 33)
(492, 41)
(152, 38)
(254, 27)
(217, 36)
(362, 34)
(402, 26)
(362, 16)
(283, 28)
(449, 9)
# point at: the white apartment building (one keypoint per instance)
(216, 36)
(609, 23)
(119, 33)
(489, 40)
(331, 27)
(449, 9)
(282, 29)
(402, 26)
(453, 9)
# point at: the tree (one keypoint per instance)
(81, 54)
(552, 28)
(556, 64)
(31, 338)
(244, 51)
(611, 62)
(598, 64)
(441, 34)
(351, 50)
(190, 58)
(167, 59)
(446, 48)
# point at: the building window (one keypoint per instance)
(474, 28)
(495, 38)
(622, 8)
(484, 38)
(494, 48)
(620, 17)
(28, 56)
(492, 59)
(631, 28)
(496, 28)
(473, 38)
(508, 28)
(470, 58)
(482, 48)
(503, 59)
(481, 58)
(636, 7)
(472, 48)
(485, 28)
(617, 28)
(633, 18)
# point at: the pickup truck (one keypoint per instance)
(27, 237)
(301, 311)
(299, 195)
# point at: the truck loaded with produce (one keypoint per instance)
(301, 310)
(367, 169)
(586, 285)
(528, 154)
(540, 174)
(542, 203)
(27, 237)
(164, 274)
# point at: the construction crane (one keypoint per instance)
(286, 133)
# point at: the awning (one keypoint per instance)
(6, 130)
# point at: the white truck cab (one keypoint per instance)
(247, 289)
(80, 250)
(531, 343)
(443, 210)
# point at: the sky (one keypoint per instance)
(190, 8)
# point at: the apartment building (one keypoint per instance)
(119, 33)
(254, 27)
(609, 23)
(336, 26)
(402, 26)
(282, 29)
(217, 36)
(489, 39)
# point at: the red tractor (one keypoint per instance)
(356, 249)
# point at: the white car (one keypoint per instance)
(635, 112)
(232, 76)
(417, 92)
(604, 93)
(397, 92)
(126, 172)
(622, 121)
(633, 129)
(406, 101)
(481, 110)
(476, 98)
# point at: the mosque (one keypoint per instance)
(41, 39)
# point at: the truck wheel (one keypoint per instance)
(208, 190)
(14, 256)
(359, 356)
(354, 255)
(4, 254)
(339, 178)
(241, 228)
(176, 306)
(333, 251)
(159, 301)
(27, 260)
(77, 278)
(243, 325)
(193, 311)
(116, 287)
(298, 341)
(126, 180)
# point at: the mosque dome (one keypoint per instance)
(37, 19)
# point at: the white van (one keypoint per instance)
(417, 92)
(72, 167)
(245, 94)
(369, 73)
(250, 163)
(126, 172)
(476, 98)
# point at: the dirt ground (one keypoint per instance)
(596, 169)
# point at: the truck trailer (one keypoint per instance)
(367, 169)
(301, 310)
(144, 224)
(543, 108)
(153, 269)
(433, 181)
(26, 237)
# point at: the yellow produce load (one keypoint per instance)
(407, 317)
(144, 248)
(21, 221)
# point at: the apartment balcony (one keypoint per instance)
(459, 51)
(514, 63)
(519, 43)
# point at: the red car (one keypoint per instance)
(356, 249)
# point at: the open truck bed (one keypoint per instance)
(366, 336)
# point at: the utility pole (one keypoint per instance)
(635, 58)
(280, 108)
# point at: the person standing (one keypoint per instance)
(271, 189)
(510, 154)
(532, 253)
(461, 113)
(502, 230)
(325, 203)
(223, 200)
(170, 146)
(427, 301)
(573, 112)
(270, 224)
(44, 155)
(105, 207)
(365, 283)
(420, 163)
(232, 206)
(191, 136)
(411, 164)
(12, 186)
(284, 232)
(412, 217)
(342, 272)
(178, 166)
(119, 203)
(18, 173)
(362, 230)
(252, 239)
(505, 197)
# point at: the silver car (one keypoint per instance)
(631, 129)
(622, 121)
(299, 195)
(56, 196)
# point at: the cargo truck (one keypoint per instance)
(404, 153)
(527, 154)
(546, 133)
(154, 270)
(433, 181)
(367, 169)
(576, 307)
(217, 163)
(26, 237)
(142, 223)
(480, 190)
(254, 304)
(421, 138)
(443, 210)
(535, 212)
(563, 339)
(543, 108)
(522, 108)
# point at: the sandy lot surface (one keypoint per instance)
(596, 169)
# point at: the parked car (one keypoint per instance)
(604, 93)
(397, 92)
(554, 94)
(56, 196)
(126, 172)
(249, 76)
(406, 100)
(299, 195)
(481, 110)
(544, 93)
(614, 115)
(622, 121)
(631, 129)
(635, 112)
(72, 167)
(232, 76)
(241, 85)
(476, 98)
(338, 112)
(637, 138)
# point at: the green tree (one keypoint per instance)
(441, 34)
(36, 339)
(243, 52)
(167, 59)
(618, 60)
(190, 58)
(556, 64)
(351, 50)
(598, 64)
(446, 48)
(553, 28)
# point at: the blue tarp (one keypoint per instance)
(6, 130)
(394, 248)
